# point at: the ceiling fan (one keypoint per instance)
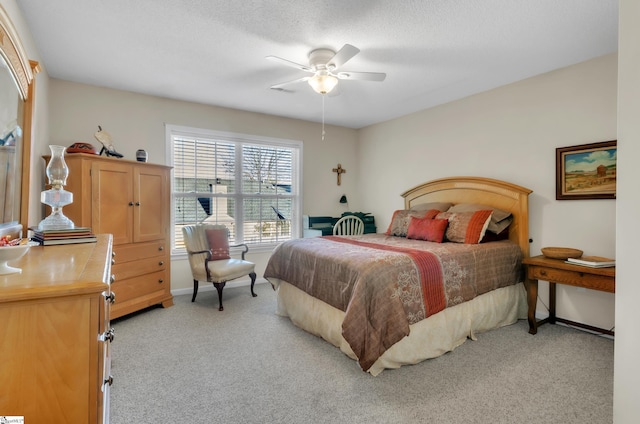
(324, 64)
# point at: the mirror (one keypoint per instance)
(16, 110)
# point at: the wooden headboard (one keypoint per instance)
(486, 191)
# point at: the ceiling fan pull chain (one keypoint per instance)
(323, 117)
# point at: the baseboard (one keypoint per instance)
(205, 287)
(541, 316)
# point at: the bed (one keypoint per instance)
(388, 300)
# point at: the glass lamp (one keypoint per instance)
(56, 197)
(322, 82)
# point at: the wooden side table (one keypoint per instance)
(557, 271)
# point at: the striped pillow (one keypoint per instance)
(466, 227)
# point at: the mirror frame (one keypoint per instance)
(23, 72)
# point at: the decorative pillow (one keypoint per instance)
(500, 219)
(400, 220)
(218, 239)
(441, 206)
(427, 229)
(466, 227)
(489, 236)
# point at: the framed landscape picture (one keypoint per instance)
(587, 171)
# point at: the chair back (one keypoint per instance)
(197, 239)
(349, 225)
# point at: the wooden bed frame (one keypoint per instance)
(449, 328)
(486, 191)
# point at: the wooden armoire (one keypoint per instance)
(131, 201)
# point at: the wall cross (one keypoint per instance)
(339, 170)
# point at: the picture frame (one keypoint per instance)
(586, 171)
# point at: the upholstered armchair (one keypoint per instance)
(208, 249)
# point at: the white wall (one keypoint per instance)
(509, 133)
(626, 408)
(137, 121)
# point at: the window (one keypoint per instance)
(250, 184)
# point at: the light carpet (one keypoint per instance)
(192, 364)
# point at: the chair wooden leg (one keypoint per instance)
(253, 281)
(219, 287)
(195, 290)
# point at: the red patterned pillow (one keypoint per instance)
(218, 239)
(427, 229)
(401, 218)
(466, 227)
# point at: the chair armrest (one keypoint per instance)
(244, 251)
(206, 260)
(208, 252)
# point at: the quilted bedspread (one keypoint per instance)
(385, 283)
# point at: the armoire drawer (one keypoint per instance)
(134, 252)
(127, 270)
(138, 286)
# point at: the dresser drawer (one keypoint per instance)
(126, 270)
(572, 278)
(134, 252)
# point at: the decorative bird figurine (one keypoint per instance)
(107, 145)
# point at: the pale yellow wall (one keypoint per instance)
(508, 133)
(511, 134)
(137, 121)
(41, 110)
(626, 408)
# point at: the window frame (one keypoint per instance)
(240, 140)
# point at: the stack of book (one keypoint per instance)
(67, 236)
(592, 261)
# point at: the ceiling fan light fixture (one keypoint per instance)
(322, 82)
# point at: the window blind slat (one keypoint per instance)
(206, 187)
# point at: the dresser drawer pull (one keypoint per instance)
(111, 297)
(109, 380)
(113, 278)
(543, 272)
(161, 263)
(160, 281)
(113, 261)
(108, 335)
(161, 248)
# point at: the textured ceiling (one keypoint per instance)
(213, 51)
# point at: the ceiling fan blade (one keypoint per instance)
(363, 76)
(290, 63)
(283, 84)
(342, 56)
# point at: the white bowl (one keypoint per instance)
(13, 253)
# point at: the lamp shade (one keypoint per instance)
(322, 82)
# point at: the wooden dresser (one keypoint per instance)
(55, 334)
(131, 201)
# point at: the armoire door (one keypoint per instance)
(112, 200)
(151, 206)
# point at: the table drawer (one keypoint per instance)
(573, 278)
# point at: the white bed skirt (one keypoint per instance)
(429, 338)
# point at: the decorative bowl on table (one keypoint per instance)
(563, 253)
(13, 253)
